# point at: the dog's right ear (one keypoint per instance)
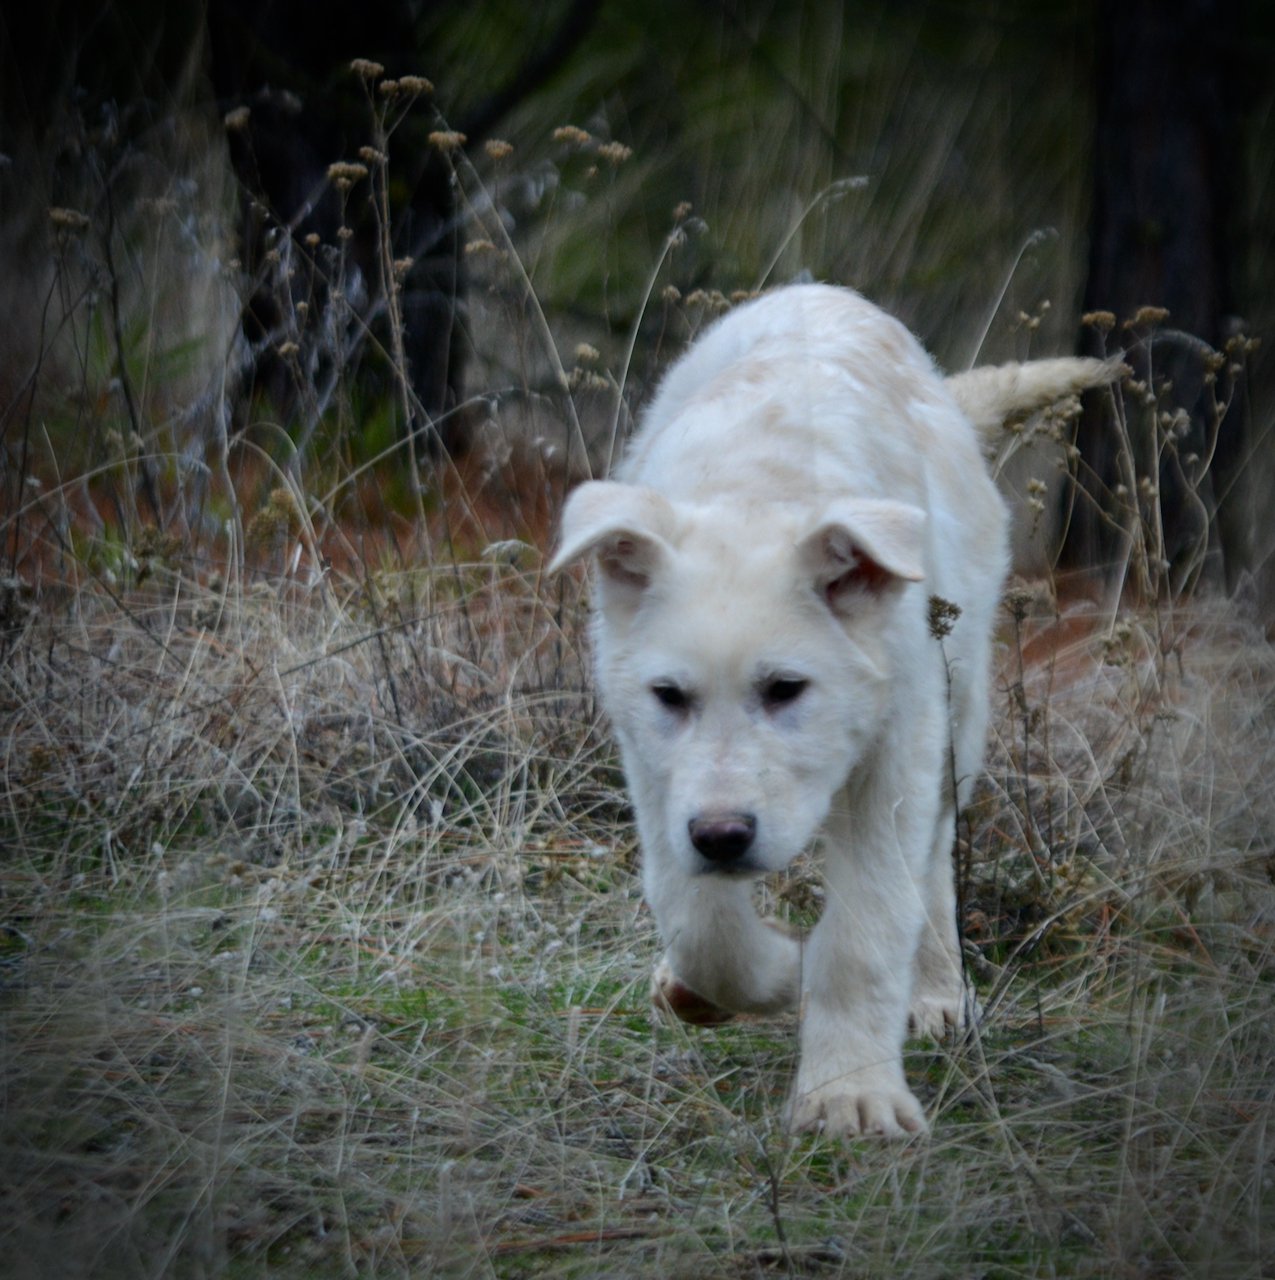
(624, 526)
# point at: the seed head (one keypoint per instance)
(68, 220)
(1147, 318)
(345, 173)
(943, 616)
(276, 520)
(237, 120)
(1018, 602)
(498, 148)
(447, 139)
(366, 68)
(572, 135)
(614, 153)
(711, 299)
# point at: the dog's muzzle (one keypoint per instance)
(724, 838)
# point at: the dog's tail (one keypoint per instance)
(995, 394)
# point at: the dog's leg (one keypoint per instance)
(938, 992)
(721, 958)
(858, 974)
(940, 1000)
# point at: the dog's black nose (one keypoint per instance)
(724, 837)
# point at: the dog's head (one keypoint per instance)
(746, 667)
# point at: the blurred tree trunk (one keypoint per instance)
(1162, 232)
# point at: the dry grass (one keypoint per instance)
(324, 954)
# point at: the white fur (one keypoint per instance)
(803, 483)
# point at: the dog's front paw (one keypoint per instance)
(669, 995)
(847, 1110)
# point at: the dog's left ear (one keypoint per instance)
(624, 525)
(866, 545)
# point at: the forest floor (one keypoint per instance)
(322, 952)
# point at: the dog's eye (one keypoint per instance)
(671, 696)
(782, 690)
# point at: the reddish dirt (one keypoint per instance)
(475, 504)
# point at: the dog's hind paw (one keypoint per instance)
(669, 995)
(935, 1016)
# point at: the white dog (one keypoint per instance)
(802, 486)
